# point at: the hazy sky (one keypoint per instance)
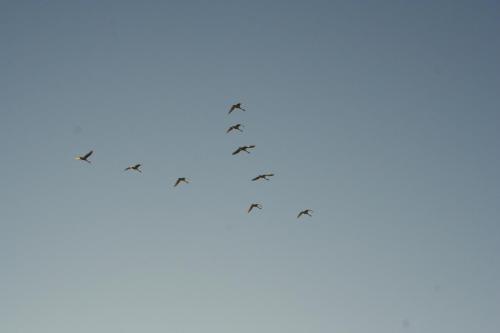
(381, 116)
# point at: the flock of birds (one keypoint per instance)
(236, 127)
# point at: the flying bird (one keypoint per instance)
(243, 148)
(264, 176)
(84, 157)
(305, 212)
(134, 167)
(234, 107)
(254, 205)
(180, 180)
(235, 127)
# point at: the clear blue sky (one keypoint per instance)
(383, 117)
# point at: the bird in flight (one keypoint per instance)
(84, 157)
(234, 107)
(134, 167)
(305, 212)
(254, 205)
(235, 127)
(180, 180)
(264, 176)
(243, 148)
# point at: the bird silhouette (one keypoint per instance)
(305, 212)
(264, 176)
(234, 107)
(84, 157)
(254, 205)
(180, 180)
(134, 167)
(243, 148)
(235, 127)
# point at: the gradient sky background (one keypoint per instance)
(382, 116)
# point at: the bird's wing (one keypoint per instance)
(251, 146)
(137, 166)
(269, 174)
(177, 182)
(256, 178)
(127, 168)
(230, 129)
(249, 209)
(88, 154)
(236, 151)
(232, 109)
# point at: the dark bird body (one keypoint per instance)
(181, 180)
(264, 176)
(134, 167)
(305, 212)
(254, 205)
(236, 106)
(243, 148)
(236, 127)
(84, 157)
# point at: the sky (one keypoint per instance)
(383, 117)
